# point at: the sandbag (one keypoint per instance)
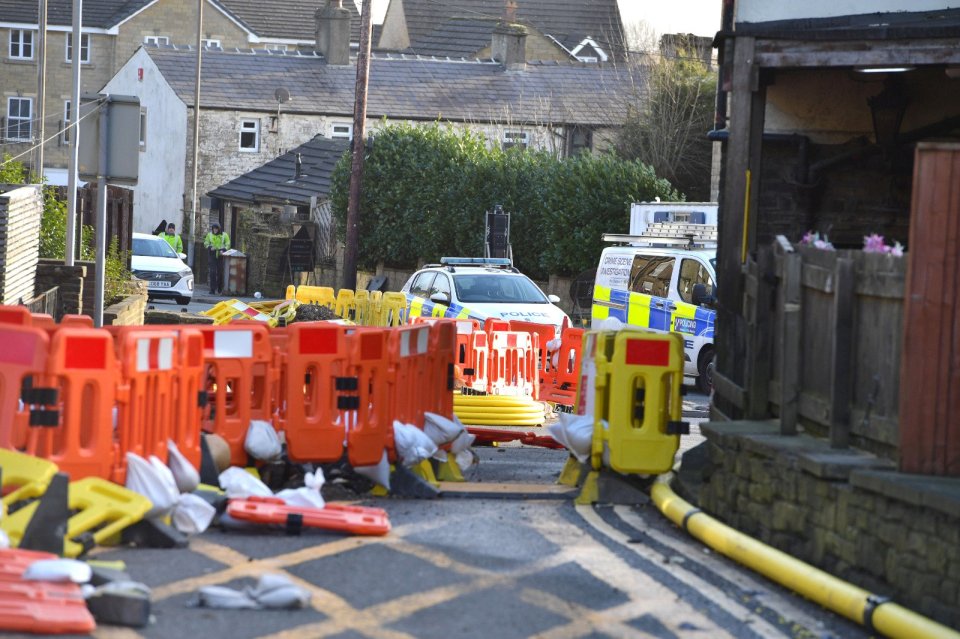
(412, 445)
(440, 429)
(262, 441)
(239, 484)
(575, 432)
(144, 478)
(378, 473)
(184, 473)
(307, 496)
(192, 514)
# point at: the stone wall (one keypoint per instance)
(69, 280)
(128, 312)
(21, 207)
(844, 511)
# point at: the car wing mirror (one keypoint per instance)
(554, 299)
(440, 298)
(182, 256)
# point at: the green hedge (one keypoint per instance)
(426, 189)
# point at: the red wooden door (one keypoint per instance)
(930, 363)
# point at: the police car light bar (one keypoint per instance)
(465, 261)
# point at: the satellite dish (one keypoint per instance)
(282, 95)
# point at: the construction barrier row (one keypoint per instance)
(82, 398)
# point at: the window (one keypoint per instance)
(84, 47)
(341, 131)
(143, 129)
(275, 47)
(19, 114)
(21, 44)
(692, 273)
(65, 136)
(250, 135)
(516, 138)
(211, 44)
(651, 275)
(422, 286)
(579, 139)
(441, 285)
(158, 40)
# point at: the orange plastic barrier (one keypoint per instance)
(443, 353)
(493, 324)
(79, 321)
(561, 387)
(513, 364)
(73, 427)
(542, 334)
(336, 393)
(39, 606)
(476, 377)
(22, 359)
(239, 381)
(146, 396)
(410, 359)
(356, 520)
(15, 315)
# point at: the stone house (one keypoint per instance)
(561, 30)
(561, 107)
(112, 31)
(831, 438)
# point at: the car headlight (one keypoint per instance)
(185, 272)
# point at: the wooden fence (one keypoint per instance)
(119, 212)
(824, 335)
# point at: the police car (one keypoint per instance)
(666, 283)
(480, 288)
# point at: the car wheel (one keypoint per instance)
(183, 301)
(705, 370)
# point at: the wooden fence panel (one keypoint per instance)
(930, 372)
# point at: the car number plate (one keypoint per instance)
(159, 284)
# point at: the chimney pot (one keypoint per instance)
(509, 45)
(333, 32)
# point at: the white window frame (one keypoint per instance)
(143, 129)
(245, 127)
(156, 39)
(515, 138)
(21, 44)
(11, 119)
(65, 136)
(273, 46)
(212, 43)
(341, 131)
(84, 48)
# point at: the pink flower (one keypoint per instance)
(873, 243)
(897, 250)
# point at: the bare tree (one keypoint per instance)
(666, 127)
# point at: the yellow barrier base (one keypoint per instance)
(590, 491)
(450, 470)
(424, 470)
(571, 473)
(609, 487)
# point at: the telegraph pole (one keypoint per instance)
(356, 169)
(194, 199)
(42, 81)
(74, 136)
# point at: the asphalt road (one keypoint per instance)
(527, 563)
(507, 554)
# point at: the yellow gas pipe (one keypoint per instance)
(875, 612)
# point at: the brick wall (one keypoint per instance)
(20, 210)
(128, 312)
(843, 511)
(69, 279)
(856, 196)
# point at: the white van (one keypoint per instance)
(663, 282)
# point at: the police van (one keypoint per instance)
(665, 280)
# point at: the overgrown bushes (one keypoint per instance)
(426, 189)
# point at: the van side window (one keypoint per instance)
(692, 272)
(651, 275)
(423, 284)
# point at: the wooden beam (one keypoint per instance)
(759, 353)
(842, 349)
(790, 339)
(729, 390)
(854, 53)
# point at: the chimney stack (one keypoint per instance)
(509, 45)
(333, 32)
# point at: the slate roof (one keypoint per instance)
(567, 21)
(289, 19)
(942, 23)
(275, 181)
(100, 14)
(403, 87)
(457, 37)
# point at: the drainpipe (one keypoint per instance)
(726, 32)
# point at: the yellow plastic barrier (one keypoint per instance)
(322, 295)
(637, 377)
(346, 306)
(226, 312)
(362, 303)
(104, 509)
(24, 476)
(393, 310)
(291, 292)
